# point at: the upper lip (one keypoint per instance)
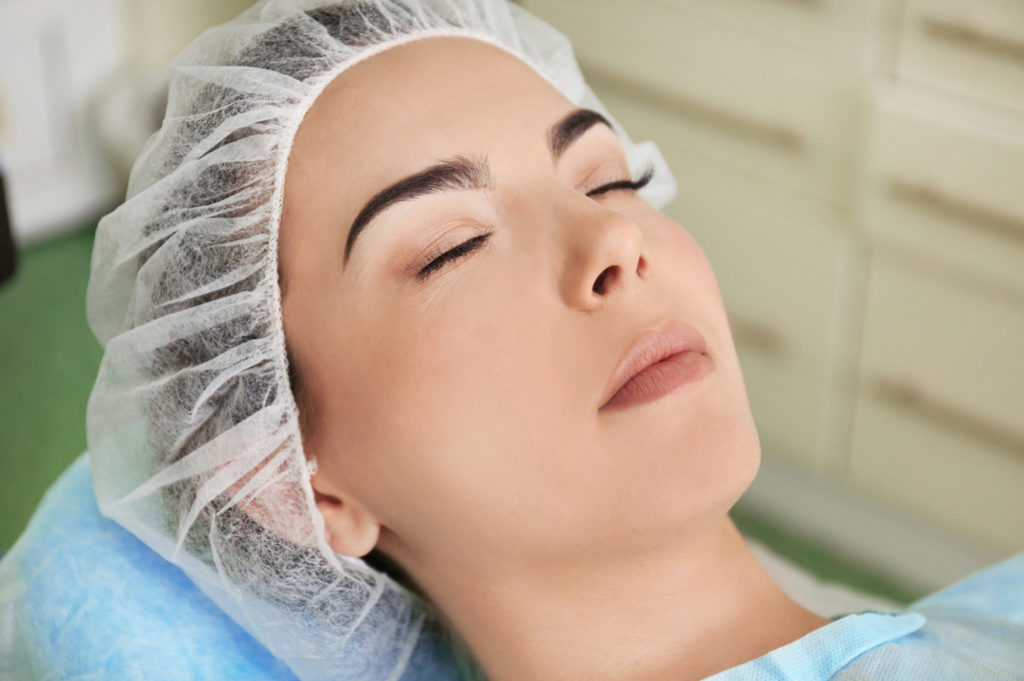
(650, 347)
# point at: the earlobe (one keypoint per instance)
(351, 529)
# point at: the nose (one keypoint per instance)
(605, 255)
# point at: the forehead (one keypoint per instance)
(426, 99)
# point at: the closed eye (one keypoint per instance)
(632, 185)
(452, 255)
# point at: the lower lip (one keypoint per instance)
(662, 378)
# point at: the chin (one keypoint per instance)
(748, 462)
(738, 452)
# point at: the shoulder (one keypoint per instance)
(965, 646)
(996, 591)
(973, 631)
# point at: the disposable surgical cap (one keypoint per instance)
(192, 425)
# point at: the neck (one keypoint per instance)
(683, 614)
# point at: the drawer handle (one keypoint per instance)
(911, 398)
(734, 123)
(757, 336)
(933, 198)
(974, 37)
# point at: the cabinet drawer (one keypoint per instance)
(971, 48)
(835, 27)
(756, 104)
(948, 185)
(943, 476)
(939, 424)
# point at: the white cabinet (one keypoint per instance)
(938, 424)
(945, 180)
(938, 428)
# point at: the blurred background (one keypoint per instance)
(854, 170)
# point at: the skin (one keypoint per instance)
(455, 419)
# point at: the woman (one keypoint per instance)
(375, 315)
(500, 474)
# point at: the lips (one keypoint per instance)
(671, 338)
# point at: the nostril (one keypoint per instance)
(600, 284)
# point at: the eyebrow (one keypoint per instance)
(460, 173)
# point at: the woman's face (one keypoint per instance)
(458, 407)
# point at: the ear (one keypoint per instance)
(352, 530)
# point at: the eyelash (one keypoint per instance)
(442, 259)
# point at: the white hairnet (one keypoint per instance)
(193, 429)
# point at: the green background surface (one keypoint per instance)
(48, 363)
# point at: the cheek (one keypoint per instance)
(680, 258)
(453, 399)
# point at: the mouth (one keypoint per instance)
(656, 363)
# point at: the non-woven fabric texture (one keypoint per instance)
(192, 427)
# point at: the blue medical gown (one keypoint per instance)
(80, 597)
